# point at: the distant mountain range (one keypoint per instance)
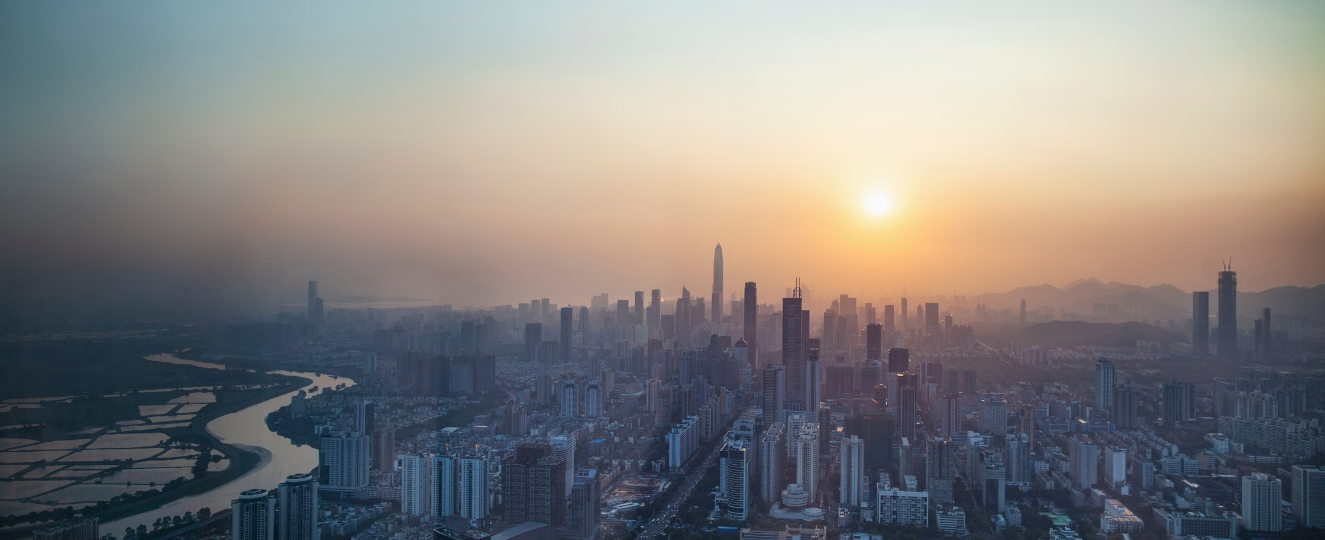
(1072, 333)
(1161, 301)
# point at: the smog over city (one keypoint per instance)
(674, 271)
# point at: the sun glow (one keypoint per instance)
(878, 204)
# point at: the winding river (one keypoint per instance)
(246, 428)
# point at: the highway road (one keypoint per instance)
(660, 520)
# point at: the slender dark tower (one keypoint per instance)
(567, 314)
(1227, 337)
(791, 343)
(906, 323)
(751, 305)
(312, 300)
(1200, 324)
(639, 308)
(655, 313)
(1023, 311)
(717, 285)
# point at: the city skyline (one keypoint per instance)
(382, 155)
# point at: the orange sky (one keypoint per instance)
(485, 154)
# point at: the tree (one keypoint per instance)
(142, 530)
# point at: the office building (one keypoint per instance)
(533, 336)
(1201, 324)
(853, 487)
(1179, 401)
(813, 387)
(717, 285)
(735, 475)
(567, 319)
(1261, 500)
(791, 348)
(1309, 495)
(584, 506)
(297, 498)
(750, 305)
(899, 360)
(1227, 333)
(899, 507)
(1104, 375)
(873, 342)
(253, 516)
(877, 428)
(940, 469)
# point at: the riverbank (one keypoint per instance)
(241, 461)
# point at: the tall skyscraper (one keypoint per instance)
(1125, 400)
(253, 516)
(1309, 495)
(899, 360)
(683, 322)
(1227, 342)
(772, 453)
(472, 487)
(807, 459)
(567, 316)
(1178, 400)
(873, 341)
(1104, 375)
(584, 320)
(889, 322)
(416, 487)
(298, 503)
(751, 307)
(931, 316)
(1022, 319)
(313, 314)
(717, 285)
(563, 447)
(444, 485)
(655, 314)
(791, 347)
(813, 387)
(638, 317)
(1200, 324)
(1261, 496)
(775, 391)
(735, 476)
(906, 322)
(533, 336)
(852, 488)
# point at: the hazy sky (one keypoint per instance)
(490, 152)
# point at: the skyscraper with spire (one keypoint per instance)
(1227, 333)
(717, 285)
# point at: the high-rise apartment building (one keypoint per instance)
(593, 400)
(899, 360)
(567, 330)
(1261, 500)
(472, 487)
(1227, 336)
(1083, 461)
(82, 529)
(533, 336)
(775, 392)
(1125, 400)
(813, 388)
(298, 503)
(443, 488)
(853, 488)
(772, 454)
(570, 399)
(1201, 324)
(563, 447)
(1179, 401)
(533, 486)
(253, 516)
(345, 461)
(807, 459)
(416, 486)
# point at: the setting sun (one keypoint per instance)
(878, 204)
